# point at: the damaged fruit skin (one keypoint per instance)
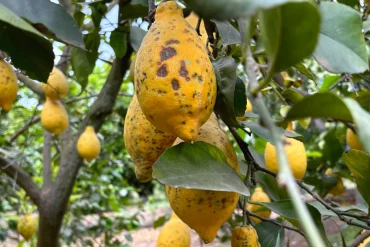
(8, 86)
(144, 142)
(205, 210)
(244, 236)
(174, 78)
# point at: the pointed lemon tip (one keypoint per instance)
(189, 136)
(7, 107)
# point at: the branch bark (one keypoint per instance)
(55, 199)
(359, 239)
(22, 179)
(46, 162)
(32, 85)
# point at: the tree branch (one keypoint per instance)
(24, 128)
(276, 223)
(250, 160)
(340, 214)
(37, 119)
(90, 25)
(285, 175)
(46, 163)
(32, 85)
(359, 239)
(22, 179)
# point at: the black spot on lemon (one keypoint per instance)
(162, 71)
(175, 84)
(172, 41)
(167, 53)
(183, 71)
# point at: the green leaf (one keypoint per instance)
(341, 47)
(322, 209)
(359, 164)
(351, 3)
(23, 44)
(136, 9)
(136, 37)
(292, 95)
(98, 10)
(49, 18)
(159, 222)
(270, 185)
(361, 119)
(240, 97)
(320, 105)
(198, 166)
(333, 148)
(270, 235)
(83, 62)
(79, 18)
(265, 134)
(304, 71)
(234, 9)
(289, 33)
(225, 70)
(329, 81)
(286, 209)
(118, 41)
(329, 105)
(229, 35)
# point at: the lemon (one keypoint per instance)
(259, 196)
(27, 226)
(353, 141)
(244, 236)
(296, 154)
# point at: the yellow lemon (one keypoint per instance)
(27, 226)
(56, 86)
(174, 78)
(259, 196)
(88, 145)
(296, 154)
(353, 141)
(204, 210)
(54, 117)
(144, 142)
(339, 188)
(8, 86)
(175, 233)
(244, 236)
(249, 108)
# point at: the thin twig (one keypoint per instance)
(32, 85)
(23, 179)
(285, 176)
(359, 239)
(276, 223)
(249, 158)
(151, 4)
(337, 212)
(38, 118)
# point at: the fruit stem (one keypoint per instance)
(285, 176)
